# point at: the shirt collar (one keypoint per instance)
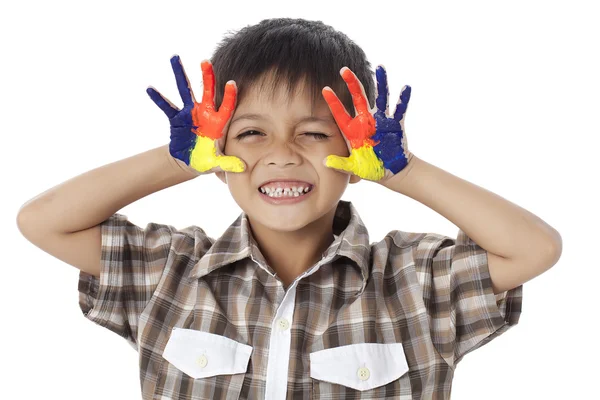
(237, 243)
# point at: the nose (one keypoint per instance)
(280, 152)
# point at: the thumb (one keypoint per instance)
(341, 164)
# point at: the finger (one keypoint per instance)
(359, 98)
(208, 81)
(382, 90)
(183, 84)
(229, 98)
(231, 164)
(162, 102)
(402, 103)
(341, 116)
(340, 163)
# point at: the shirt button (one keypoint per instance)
(363, 374)
(283, 324)
(202, 361)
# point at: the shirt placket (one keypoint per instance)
(281, 338)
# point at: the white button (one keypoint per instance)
(363, 374)
(283, 324)
(202, 361)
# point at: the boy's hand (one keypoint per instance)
(197, 130)
(377, 143)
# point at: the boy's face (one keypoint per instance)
(280, 148)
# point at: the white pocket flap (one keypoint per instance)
(361, 366)
(202, 354)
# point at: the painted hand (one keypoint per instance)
(197, 130)
(377, 143)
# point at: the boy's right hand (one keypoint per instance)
(198, 130)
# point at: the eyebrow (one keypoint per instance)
(258, 117)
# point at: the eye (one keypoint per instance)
(318, 136)
(247, 133)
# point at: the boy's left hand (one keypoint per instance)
(377, 143)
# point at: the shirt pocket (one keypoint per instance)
(208, 363)
(360, 371)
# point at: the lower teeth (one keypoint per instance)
(291, 195)
(286, 195)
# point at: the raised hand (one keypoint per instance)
(377, 143)
(197, 130)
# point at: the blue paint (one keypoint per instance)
(388, 131)
(183, 138)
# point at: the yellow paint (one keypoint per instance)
(204, 157)
(362, 162)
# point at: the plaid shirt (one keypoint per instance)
(210, 320)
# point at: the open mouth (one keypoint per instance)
(291, 192)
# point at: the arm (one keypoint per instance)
(64, 220)
(90, 198)
(520, 245)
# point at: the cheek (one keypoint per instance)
(335, 181)
(339, 146)
(339, 149)
(230, 148)
(345, 146)
(245, 153)
(238, 184)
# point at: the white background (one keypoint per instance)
(504, 95)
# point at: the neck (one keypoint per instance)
(290, 254)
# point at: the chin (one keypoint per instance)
(288, 217)
(282, 218)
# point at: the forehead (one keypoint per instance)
(270, 93)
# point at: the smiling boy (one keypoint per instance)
(283, 141)
(293, 300)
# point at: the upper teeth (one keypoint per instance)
(277, 192)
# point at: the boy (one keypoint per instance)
(292, 301)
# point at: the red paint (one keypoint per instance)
(358, 130)
(210, 122)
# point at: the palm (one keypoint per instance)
(197, 129)
(377, 144)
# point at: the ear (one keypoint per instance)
(221, 176)
(355, 178)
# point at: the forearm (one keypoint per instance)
(92, 197)
(494, 223)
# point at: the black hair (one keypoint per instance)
(295, 51)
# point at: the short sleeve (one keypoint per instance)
(465, 313)
(132, 263)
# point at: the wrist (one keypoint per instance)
(396, 181)
(183, 171)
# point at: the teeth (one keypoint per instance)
(287, 192)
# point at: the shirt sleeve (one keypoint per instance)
(465, 313)
(132, 263)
